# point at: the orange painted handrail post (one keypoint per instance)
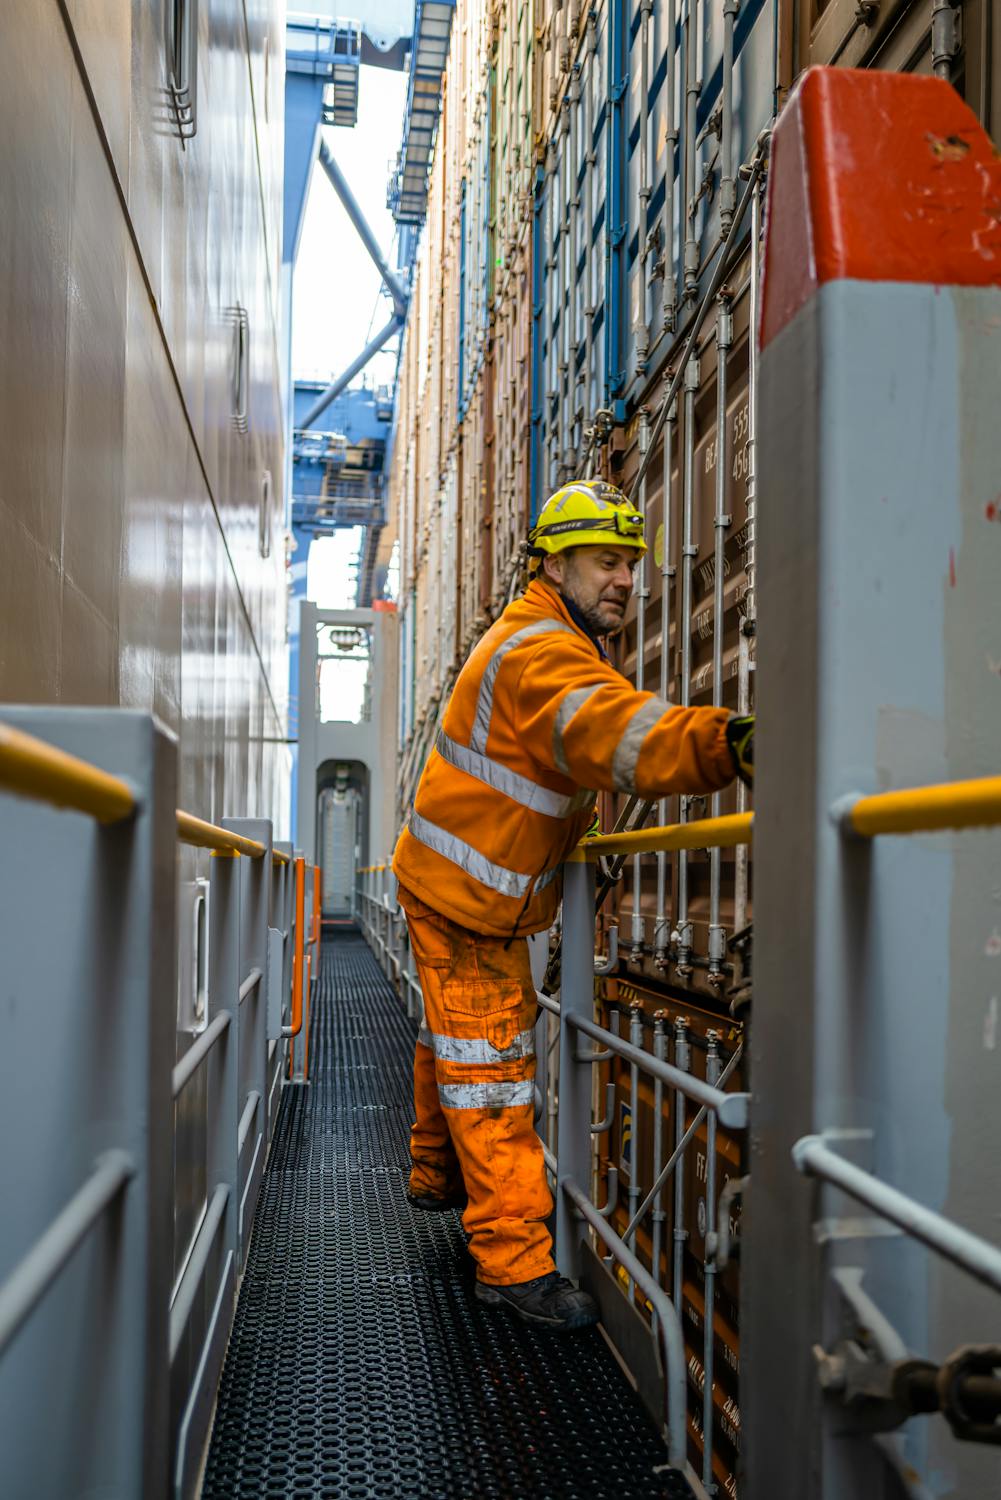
(314, 941)
(305, 1032)
(298, 952)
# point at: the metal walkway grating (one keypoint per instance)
(360, 1364)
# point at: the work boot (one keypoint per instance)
(432, 1203)
(550, 1301)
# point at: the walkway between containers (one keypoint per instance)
(360, 1363)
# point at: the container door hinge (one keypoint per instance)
(946, 36)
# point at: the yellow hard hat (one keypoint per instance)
(586, 513)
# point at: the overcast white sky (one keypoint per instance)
(337, 302)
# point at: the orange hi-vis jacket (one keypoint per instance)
(535, 716)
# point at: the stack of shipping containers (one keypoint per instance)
(592, 168)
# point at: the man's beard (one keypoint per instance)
(592, 613)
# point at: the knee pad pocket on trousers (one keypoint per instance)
(483, 997)
(501, 1012)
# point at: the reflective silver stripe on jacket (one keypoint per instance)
(627, 751)
(425, 1038)
(463, 1049)
(569, 705)
(487, 1095)
(505, 882)
(502, 779)
(485, 699)
(496, 877)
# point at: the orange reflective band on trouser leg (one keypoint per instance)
(480, 1011)
(435, 1170)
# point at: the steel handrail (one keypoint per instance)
(191, 1278)
(972, 1254)
(31, 768)
(731, 1109)
(192, 830)
(923, 809)
(680, 1148)
(298, 951)
(31, 1279)
(668, 1322)
(251, 982)
(246, 1120)
(199, 1050)
(707, 833)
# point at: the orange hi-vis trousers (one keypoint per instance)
(474, 1089)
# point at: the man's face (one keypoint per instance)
(599, 580)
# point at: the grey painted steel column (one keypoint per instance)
(322, 741)
(255, 880)
(87, 932)
(210, 1272)
(879, 451)
(284, 918)
(573, 1125)
(538, 955)
(223, 1063)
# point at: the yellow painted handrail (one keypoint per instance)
(924, 809)
(278, 858)
(31, 768)
(706, 833)
(192, 830)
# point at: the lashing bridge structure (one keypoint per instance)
(315, 1335)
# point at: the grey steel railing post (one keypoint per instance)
(286, 919)
(383, 923)
(682, 1059)
(223, 1064)
(633, 1196)
(192, 1397)
(255, 876)
(573, 1124)
(87, 932)
(279, 975)
(709, 1270)
(658, 1216)
(538, 955)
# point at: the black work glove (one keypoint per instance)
(740, 739)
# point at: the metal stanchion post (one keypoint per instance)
(573, 1133)
(255, 876)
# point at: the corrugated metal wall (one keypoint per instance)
(581, 180)
(142, 555)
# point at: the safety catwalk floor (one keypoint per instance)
(360, 1364)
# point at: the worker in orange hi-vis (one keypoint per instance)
(538, 714)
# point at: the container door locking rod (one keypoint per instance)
(613, 867)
